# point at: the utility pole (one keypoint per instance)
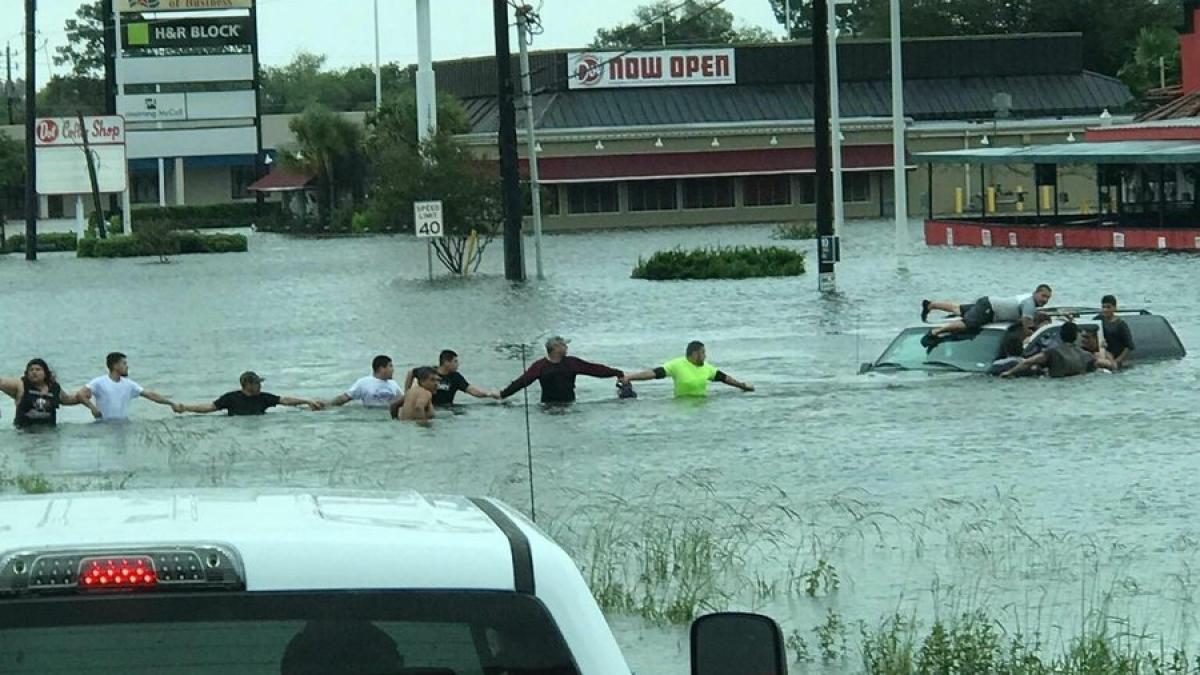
(8, 88)
(835, 121)
(378, 72)
(530, 135)
(514, 260)
(31, 200)
(827, 246)
(426, 84)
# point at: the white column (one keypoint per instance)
(426, 85)
(901, 179)
(43, 207)
(179, 182)
(162, 182)
(80, 217)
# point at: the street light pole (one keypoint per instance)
(835, 123)
(898, 152)
(378, 73)
(530, 136)
(426, 85)
(31, 200)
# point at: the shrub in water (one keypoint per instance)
(47, 242)
(795, 231)
(737, 262)
(130, 246)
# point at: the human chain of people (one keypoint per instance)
(38, 395)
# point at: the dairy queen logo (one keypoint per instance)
(47, 131)
(588, 71)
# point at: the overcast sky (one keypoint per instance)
(342, 29)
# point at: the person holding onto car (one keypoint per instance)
(1117, 337)
(1066, 360)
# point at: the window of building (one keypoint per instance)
(143, 187)
(856, 187)
(653, 195)
(592, 198)
(766, 191)
(808, 188)
(708, 193)
(241, 178)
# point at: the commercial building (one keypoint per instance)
(709, 135)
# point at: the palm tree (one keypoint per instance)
(327, 143)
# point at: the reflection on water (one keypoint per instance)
(920, 491)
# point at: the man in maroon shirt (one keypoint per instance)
(556, 373)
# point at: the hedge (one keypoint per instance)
(48, 242)
(738, 262)
(127, 246)
(204, 217)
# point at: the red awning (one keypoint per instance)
(696, 164)
(282, 180)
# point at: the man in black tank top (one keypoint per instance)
(38, 396)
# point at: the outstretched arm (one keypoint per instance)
(194, 408)
(341, 400)
(593, 369)
(651, 374)
(733, 382)
(1026, 364)
(157, 398)
(481, 393)
(296, 402)
(10, 386)
(527, 378)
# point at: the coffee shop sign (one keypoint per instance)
(102, 130)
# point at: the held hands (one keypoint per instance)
(315, 405)
(746, 386)
(178, 408)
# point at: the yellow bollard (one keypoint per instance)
(991, 199)
(1047, 197)
(1020, 199)
(1112, 202)
(470, 254)
(958, 200)
(1085, 208)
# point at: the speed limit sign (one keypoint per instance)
(428, 216)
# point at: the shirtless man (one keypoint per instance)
(417, 403)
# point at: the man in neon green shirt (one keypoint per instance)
(691, 374)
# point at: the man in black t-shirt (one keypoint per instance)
(451, 381)
(249, 400)
(1118, 339)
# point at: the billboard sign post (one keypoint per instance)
(172, 33)
(65, 148)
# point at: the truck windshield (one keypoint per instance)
(309, 633)
(970, 352)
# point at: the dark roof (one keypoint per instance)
(792, 62)
(1081, 93)
(1186, 105)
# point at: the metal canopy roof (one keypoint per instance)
(1122, 152)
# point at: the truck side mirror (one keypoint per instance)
(734, 643)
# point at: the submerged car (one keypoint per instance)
(975, 352)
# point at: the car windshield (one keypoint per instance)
(970, 352)
(327, 633)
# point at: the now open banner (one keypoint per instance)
(659, 68)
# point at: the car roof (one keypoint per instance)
(287, 539)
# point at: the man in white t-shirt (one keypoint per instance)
(112, 393)
(376, 390)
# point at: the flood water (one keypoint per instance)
(1045, 502)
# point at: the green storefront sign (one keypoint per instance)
(218, 32)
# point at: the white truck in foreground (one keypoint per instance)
(249, 582)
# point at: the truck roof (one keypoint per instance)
(287, 539)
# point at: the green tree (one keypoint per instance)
(68, 94)
(12, 174)
(84, 50)
(397, 119)
(329, 146)
(305, 81)
(1109, 28)
(1143, 73)
(403, 172)
(695, 22)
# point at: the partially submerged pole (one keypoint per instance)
(514, 262)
